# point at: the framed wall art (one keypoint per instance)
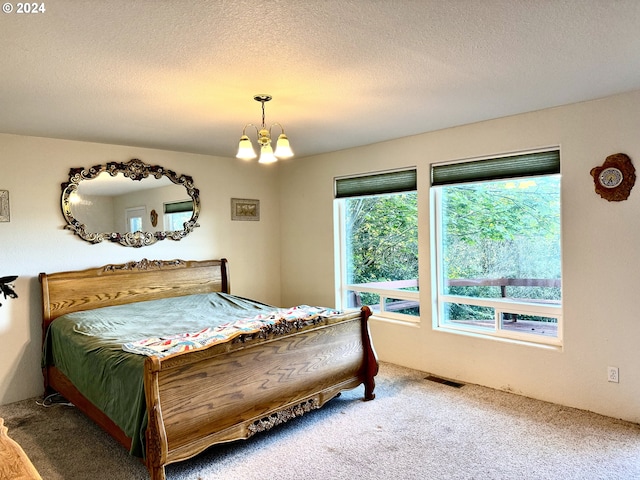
(245, 209)
(4, 206)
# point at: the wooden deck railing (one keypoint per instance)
(503, 283)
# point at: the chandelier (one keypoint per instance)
(267, 155)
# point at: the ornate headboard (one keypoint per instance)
(66, 292)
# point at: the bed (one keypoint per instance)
(185, 400)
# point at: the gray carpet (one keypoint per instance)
(414, 429)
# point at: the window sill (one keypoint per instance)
(544, 343)
(396, 321)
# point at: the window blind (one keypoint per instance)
(376, 184)
(178, 207)
(526, 165)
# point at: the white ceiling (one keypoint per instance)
(181, 75)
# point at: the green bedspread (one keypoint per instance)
(87, 348)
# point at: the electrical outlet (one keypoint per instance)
(612, 374)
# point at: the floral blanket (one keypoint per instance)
(164, 346)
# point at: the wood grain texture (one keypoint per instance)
(14, 463)
(256, 381)
(225, 392)
(66, 292)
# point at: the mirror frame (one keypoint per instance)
(135, 170)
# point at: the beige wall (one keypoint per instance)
(151, 199)
(601, 273)
(600, 254)
(34, 241)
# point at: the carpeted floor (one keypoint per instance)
(414, 429)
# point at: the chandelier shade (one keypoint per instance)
(245, 149)
(267, 154)
(283, 149)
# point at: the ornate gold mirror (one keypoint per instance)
(125, 202)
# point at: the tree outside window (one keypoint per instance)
(379, 244)
(498, 252)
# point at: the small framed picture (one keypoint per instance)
(245, 209)
(4, 205)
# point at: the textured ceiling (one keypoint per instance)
(181, 75)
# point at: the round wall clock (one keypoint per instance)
(615, 178)
(610, 177)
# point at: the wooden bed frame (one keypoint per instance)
(225, 392)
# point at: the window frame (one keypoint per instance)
(342, 287)
(176, 207)
(500, 305)
(135, 213)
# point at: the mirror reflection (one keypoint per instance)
(130, 203)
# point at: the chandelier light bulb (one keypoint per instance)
(283, 149)
(266, 154)
(245, 149)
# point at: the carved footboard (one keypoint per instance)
(232, 391)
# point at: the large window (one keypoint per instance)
(377, 226)
(498, 268)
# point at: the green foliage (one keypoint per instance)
(382, 233)
(502, 211)
(490, 230)
(502, 229)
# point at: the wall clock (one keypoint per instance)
(615, 178)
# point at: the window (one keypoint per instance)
(377, 235)
(497, 244)
(134, 218)
(176, 214)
